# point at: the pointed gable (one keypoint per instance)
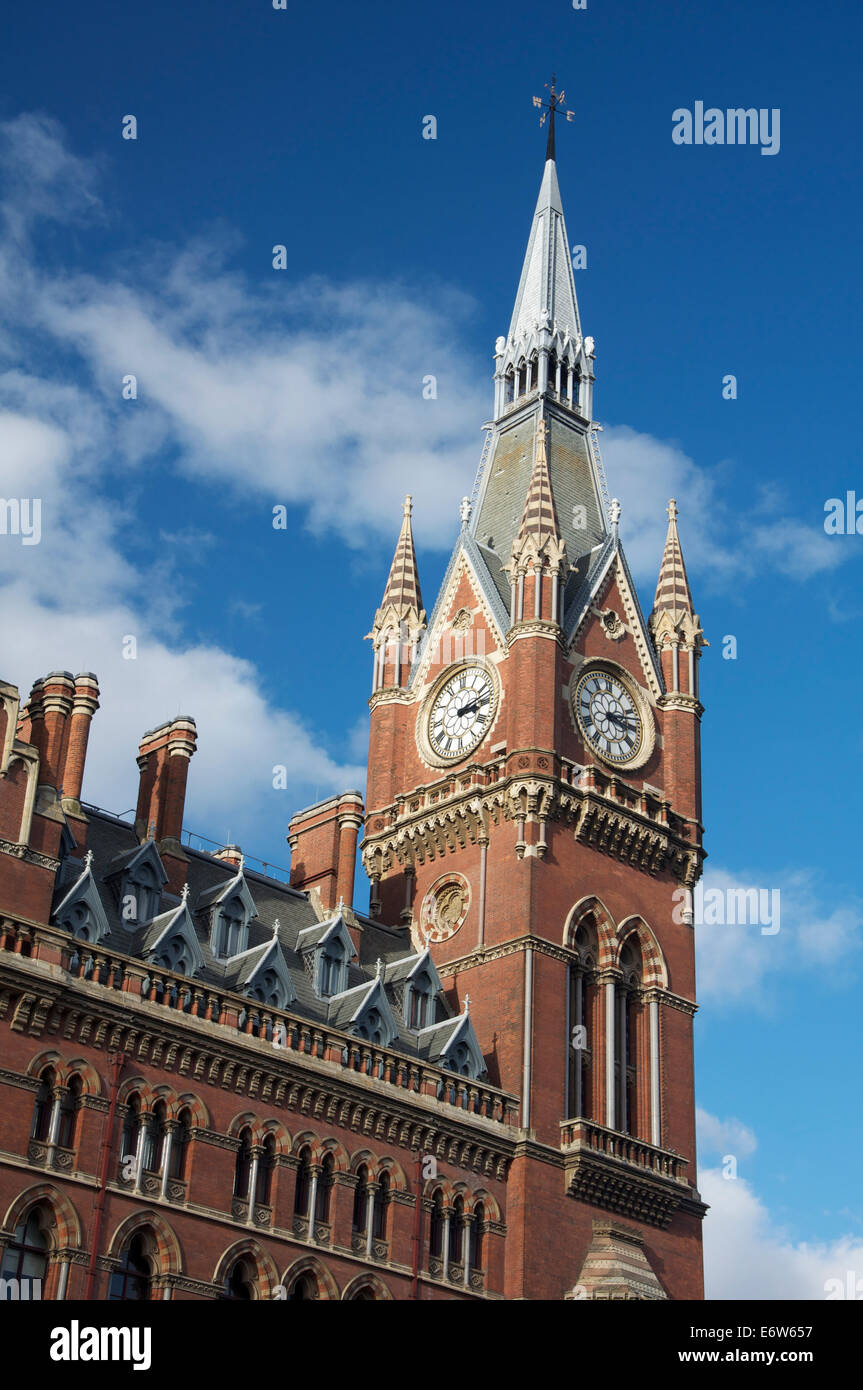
(453, 1045)
(79, 908)
(171, 942)
(264, 976)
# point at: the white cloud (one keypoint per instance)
(748, 1256)
(722, 1137)
(737, 961)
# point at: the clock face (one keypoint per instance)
(608, 716)
(461, 713)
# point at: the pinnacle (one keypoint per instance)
(403, 585)
(672, 589)
(539, 519)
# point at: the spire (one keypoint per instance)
(539, 521)
(672, 589)
(403, 586)
(546, 291)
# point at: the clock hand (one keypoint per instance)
(468, 709)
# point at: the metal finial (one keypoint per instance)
(184, 895)
(464, 510)
(467, 1003)
(379, 969)
(614, 512)
(671, 510)
(276, 926)
(408, 505)
(549, 107)
(88, 859)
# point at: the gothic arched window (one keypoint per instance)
(303, 1287)
(26, 1255)
(475, 1237)
(240, 1281)
(361, 1200)
(436, 1226)
(627, 1037)
(420, 1002)
(456, 1231)
(180, 1145)
(303, 1186)
(325, 1188)
(582, 1021)
(382, 1200)
(266, 1164)
(133, 1279)
(43, 1105)
(243, 1164)
(158, 1134)
(131, 1127)
(69, 1106)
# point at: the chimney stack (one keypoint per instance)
(163, 759)
(84, 706)
(323, 841)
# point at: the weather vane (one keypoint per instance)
(548, 107)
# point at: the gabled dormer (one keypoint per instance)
(79, 908)
(415, 985)
(365, 1011)
(170, 942)
(138, 878)
(264, 975)
(231, 908)
(453, 1045)
(327, 951)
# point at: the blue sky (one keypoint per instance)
(255, 387)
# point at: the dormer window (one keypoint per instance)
(370, 1028)
(332, 968)
(420, 1002)
(231, 909)
(233, 930)
(143, 893)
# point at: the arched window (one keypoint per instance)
(26, 1255)
(456, 1231)
(553, 386)
(331, 968)
(158, 1134)
(303, 1287)
(582, 1010)
(180, 1145)
(133, 1279)
(626, 1039)
(145, 890)
(436, 1225)
(420, 1002)
(361, 1200)
(131, 1127)
(266, 1164)
(243, 1164)
(325, 1188)
(509, 387)
(44, 1105)
(69, 1113)
(302, 1190)
(240, 1281)
(382, 1201)
(363, 1295)
(477, 1222)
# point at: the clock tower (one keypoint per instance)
(534, 815)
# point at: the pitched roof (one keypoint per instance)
(546, 286)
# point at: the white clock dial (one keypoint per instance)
(608, 716)
(461, 713)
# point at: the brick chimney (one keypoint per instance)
(163, 759)
(323, 841)
(84, 706)
(49, 707)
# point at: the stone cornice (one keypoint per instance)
(215, 1054)
(29, 856)
(604, 811)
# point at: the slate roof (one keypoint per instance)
(114, 846)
